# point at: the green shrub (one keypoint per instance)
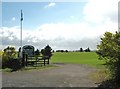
(9, 59)
(109, 50)
(14, 64)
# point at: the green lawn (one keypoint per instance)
(89, 58)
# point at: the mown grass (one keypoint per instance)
(88, 58)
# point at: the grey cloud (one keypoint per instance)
(59, 43)
(72, 44)
(16, 42)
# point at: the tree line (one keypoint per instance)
(80, 50)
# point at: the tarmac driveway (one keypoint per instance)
(67, 75)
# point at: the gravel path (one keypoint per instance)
(67, 75)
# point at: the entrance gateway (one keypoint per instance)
(29, 56)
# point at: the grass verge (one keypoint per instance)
(99, 75)
(30, 68)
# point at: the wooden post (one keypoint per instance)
(36, 57)
(44, 61)
(23, 59)
(26, 59)
(48, 60)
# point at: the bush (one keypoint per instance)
(9, 59)
(37, 52)
(47, 51)
(109, 50)
(14, 64)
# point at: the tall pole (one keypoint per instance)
(21, 19)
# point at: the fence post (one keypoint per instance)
(44, 61)
(48, 60)
(26, 59)
(23, 59)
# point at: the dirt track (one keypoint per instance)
(67, 75)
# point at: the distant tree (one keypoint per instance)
(57, 51)
(53, 51)
(66, 51)
(87, 50)
(42, 51)
(47, 51)
(62, 50)
(81, 50)
(37, 52)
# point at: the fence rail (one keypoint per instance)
(34, 60)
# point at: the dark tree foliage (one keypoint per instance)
(47, 51)
(8, 53)
(66, 51)
(109, 50)
(42, 51)
(87, 50)
(81, 50)
(60, 51)
(37, 52)
(9, 59)
(53, 51)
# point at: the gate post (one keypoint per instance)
(44, 60)
(26, 59)
(48, 60)
(23, 59)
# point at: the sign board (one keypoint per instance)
(29, 50)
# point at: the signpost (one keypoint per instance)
(21, 19)
(22, 55)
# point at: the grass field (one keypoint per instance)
(89, 58)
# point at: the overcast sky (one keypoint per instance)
(62, 25)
